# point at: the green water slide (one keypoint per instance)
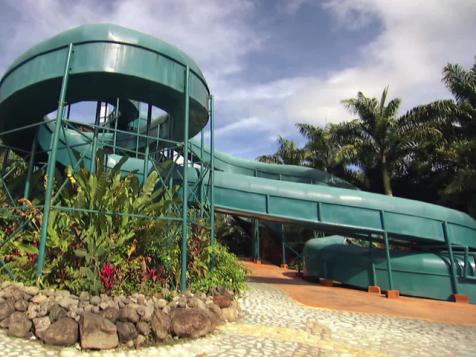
(119, 66)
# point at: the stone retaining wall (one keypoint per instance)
(103, 322)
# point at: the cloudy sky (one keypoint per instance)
(274, 63)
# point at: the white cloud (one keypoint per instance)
(418, 39)
(216, 36)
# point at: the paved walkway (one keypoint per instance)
(273, 324)
(346, 299)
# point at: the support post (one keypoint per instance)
(116, 119)
(387, 253)
(454, 283)
(256, 241)
(212, 179)
(31, 164)
(95, 138)
(146, 153)
(183, 271)
(51, 165)
(373, 286)
(201, 173)
(283, 247)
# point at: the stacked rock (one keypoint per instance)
(103, 322)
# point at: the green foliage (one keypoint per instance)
(228, 272)
(453, 158)
(288, 154)
(107, 219)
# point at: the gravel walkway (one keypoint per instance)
(275, 325)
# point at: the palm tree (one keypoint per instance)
(319, 149)
(288, 153)
(456, 152)
(378, 142)
(320, 152)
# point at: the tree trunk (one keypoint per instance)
(387, 185)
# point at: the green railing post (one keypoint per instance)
(31, 164)
(387, 252)
(183, 271)
(146, 154)
(202, 138)
(212, 179)
(283, 245)
(454, 281)
(256, 240)
(138, 130)
(95, 138)
(116, 119)
(371, 257)
(51, 165)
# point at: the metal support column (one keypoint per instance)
(454, 282)
(116, 119)
(146, 154)
(95, 138)
(371, 258)
(387, 253)
(202, 208)
(256, 240)
(31, 164)
(183, 271)
(283, 245)
(212, 179)
(51, 164)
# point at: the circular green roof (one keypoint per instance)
(109, 33)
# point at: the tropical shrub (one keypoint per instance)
(228, 271)
(105, 237)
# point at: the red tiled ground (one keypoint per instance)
(346, 299)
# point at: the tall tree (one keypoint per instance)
(288, 153)
(320, 152)
(379, 142)
(455, 154)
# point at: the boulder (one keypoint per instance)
(19, 325)
(39, 299)
(146, 311)
(222, 300)
(21, 305)
(95, 300)
(190, 323)
(129, 313)
(40, 325)
(6, 309)
(143, 328)
(56, 312)
(216, 310)
(126, 331)
(182, 301)
(230, 314)
(68, 302)
(63, 332)
(160, 324)
(139, 341)
(97, 332)
(31, 290)
(196, 302)
(110, 313)
(161, 303)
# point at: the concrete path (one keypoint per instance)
(347, 299)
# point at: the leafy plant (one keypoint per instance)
(228, 272)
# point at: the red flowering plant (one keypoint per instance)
(108, 277)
